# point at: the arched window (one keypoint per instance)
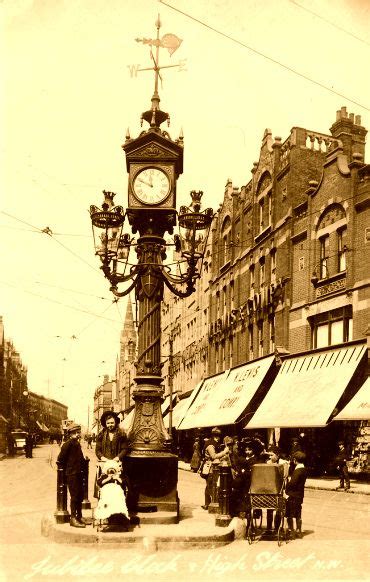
(331, 234)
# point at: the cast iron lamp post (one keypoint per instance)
(154, 161)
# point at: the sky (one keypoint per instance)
(68, 98)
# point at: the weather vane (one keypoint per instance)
(169, 41)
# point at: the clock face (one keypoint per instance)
(151, 186)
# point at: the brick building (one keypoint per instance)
(290, 251)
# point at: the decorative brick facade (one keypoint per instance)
(290, 254)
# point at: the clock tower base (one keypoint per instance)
(153, 483)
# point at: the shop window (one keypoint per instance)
(332, 328)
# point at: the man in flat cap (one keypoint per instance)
(72, 460)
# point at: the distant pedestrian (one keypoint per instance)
(11, 445)
(295, 492)
(73, 462)
(197, 456)
(28, 446)
(341, 461)
(89, 441)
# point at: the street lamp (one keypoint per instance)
(154, 162)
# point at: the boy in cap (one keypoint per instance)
(295, 492)
(72, 460)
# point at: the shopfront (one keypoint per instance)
(228, 399)
(305, 396)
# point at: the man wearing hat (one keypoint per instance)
(72, 460)
(295, 491)
(213, 453)
(341, 460)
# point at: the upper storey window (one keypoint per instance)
(331, 235)
(225, 241)
(264, 199)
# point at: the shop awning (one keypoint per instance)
(178, 413)
(225, 397)
(45, 428)
(39, 425)
(127, 421)
(165, 406)
(307, 388)
(359, 407)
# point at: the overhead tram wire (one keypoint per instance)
(329, 22)
(50, 233)
(59, 302)
(271, 59)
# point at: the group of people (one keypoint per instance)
(28, 446)
(111, 448)
(241, 455)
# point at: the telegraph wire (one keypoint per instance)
(329, 22)
(55, 301)
(72, 291)
(47, 230)
(259, 53)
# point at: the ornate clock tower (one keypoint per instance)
(154, 162)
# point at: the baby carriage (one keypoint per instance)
(111, 512)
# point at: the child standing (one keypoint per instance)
(295, 493)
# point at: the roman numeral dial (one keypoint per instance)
(151, 186)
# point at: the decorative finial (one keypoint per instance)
(155, 117)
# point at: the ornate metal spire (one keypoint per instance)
(155, 116)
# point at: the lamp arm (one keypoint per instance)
(171, 282)
(117, 293)
(134, 270)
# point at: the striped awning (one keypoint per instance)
(359, 407)
(308, 387)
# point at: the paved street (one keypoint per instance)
(335, 545)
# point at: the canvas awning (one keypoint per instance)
(165, 406)
(358, 408)
(178, 413)
(225, 397)
(127, 421)
(40, 425)
(307, 388)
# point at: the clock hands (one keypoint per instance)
(150, 184)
